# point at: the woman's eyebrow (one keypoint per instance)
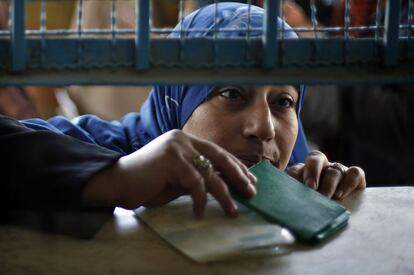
(284, 88)
(230, 86)
(289, 88)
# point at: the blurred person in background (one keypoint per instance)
(372, 125)
(27, 102)
(14, 102)
(111, 102)
(377, 121)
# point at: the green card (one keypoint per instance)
(281, 199)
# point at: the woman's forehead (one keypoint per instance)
(274, 89)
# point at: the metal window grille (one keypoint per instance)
(142, 55)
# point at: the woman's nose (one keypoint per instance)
(259, 123)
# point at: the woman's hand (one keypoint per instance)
(164, 169)
(333, 180)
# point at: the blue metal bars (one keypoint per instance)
(271, 49)
(392, 21)
(139, 54)
(142, 39)
(18, 40)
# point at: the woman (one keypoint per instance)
(181, 129)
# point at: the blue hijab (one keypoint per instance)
(169, 107)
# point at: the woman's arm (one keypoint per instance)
(164, 169)
(44, 170)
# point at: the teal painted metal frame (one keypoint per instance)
(18, 49)
(142, 35)
(392, 21)
(145, 60)
(271, 47)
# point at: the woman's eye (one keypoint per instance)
(232, 94)
(285, 102)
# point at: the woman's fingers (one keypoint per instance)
(218, 189)
(199, 182)
(314, 164)
(169, 194)
(296, 171)
(333, 180)
(329, 181)
(246, 171)
(353, 178)
(232, 170)
(198, 166)
(194, 182)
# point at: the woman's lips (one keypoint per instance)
(250, 160)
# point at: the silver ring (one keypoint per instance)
(338, 166)
(201, 163)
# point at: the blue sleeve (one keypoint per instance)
(120, 136)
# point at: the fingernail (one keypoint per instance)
(234, 210)
(252, 177)
(339, 194)
(311, 183)
(252, 189)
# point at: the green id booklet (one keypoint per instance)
(281, 199)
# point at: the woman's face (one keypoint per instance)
(253, 123)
